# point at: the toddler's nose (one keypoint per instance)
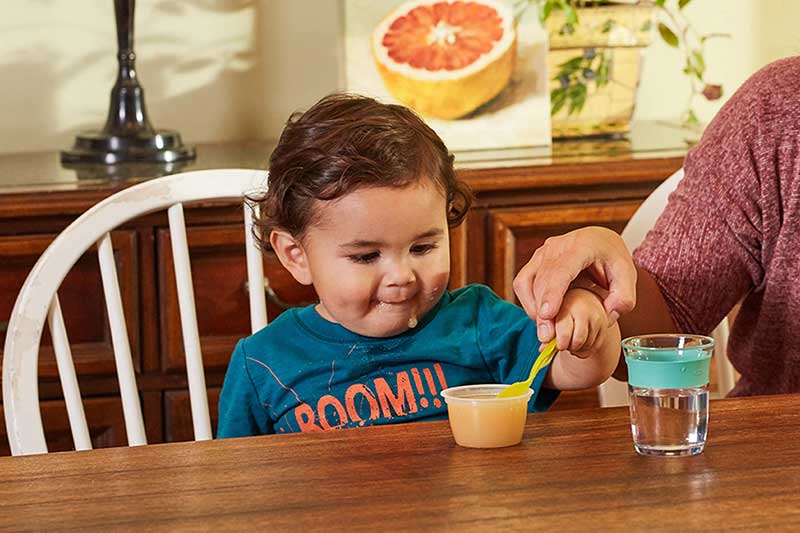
(400, 274)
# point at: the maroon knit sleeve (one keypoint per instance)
(710, 246)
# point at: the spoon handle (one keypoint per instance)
(544, 358)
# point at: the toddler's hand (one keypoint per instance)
(581, 323)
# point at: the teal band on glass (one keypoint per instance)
(668, 360)
(669, 368)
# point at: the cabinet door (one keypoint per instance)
(103, 416)
(82, 301)
(517, 233)
(178, 414)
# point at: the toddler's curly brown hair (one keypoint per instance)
(345, 142)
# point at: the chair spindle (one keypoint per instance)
(131, 407)
(201, 420)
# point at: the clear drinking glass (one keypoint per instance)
(668, 388)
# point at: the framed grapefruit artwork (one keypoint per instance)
(472, 68)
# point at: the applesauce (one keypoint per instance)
(479, 419)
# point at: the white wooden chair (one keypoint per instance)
(614, 392)
(38, 299)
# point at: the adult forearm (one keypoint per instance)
(651, 315)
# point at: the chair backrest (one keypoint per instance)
(38, 299)
(614, 392)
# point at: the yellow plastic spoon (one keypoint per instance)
(519, 388)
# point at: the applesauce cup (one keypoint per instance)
(479, 419)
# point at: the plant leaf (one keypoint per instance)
(557, 99)
(568, 67)
(577, 97)
(668, 35)
(547, 8)
(682, 3)
(570, 13)
(700, 64)
(602, 72)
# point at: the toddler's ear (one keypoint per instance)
(291, 255)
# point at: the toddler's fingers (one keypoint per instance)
(594, 334)
(564, 326)
(580, 334)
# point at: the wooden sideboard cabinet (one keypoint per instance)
(521, 198)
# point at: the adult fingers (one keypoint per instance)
(542, 283)
(523, 288)
(558, 269)
(621, 299)
(545, 330)
(564, 326)
(523, 285)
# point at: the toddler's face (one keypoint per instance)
(379, 258)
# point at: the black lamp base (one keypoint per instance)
(161, 146)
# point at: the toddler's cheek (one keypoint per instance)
(438, 282)
(355, 296)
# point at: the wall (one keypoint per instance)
(216, 70)
(761, 31)
(223, 70)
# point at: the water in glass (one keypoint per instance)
(669, 421)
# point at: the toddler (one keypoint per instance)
(360, 199)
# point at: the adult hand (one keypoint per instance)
(596, 252)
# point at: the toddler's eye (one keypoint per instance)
(364, 258)
(422, 249)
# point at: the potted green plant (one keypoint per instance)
(595, 59)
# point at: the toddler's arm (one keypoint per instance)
(589, 345)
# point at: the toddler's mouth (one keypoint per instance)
(395, 303)
(407, 307)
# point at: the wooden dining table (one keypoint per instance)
(574, 470)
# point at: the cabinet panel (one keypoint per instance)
(178, 414)
(516, 233)
(103, 416)
(458, 255)
(82, 301)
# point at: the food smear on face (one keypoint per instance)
(412, 322)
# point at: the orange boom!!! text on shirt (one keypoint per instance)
(412, 388)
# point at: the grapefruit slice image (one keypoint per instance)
(445, 59)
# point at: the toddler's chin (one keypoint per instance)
(384, 330)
